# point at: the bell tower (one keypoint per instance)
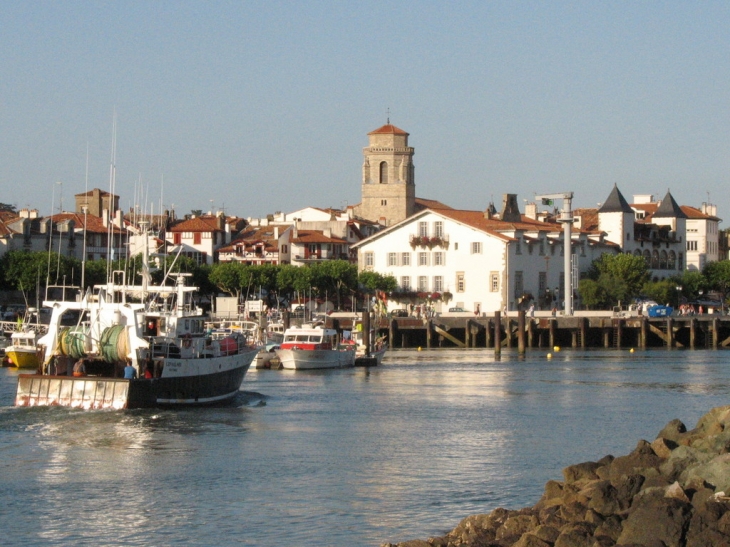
(388, 182)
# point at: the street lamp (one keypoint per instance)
(679, 290)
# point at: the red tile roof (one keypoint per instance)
(388, 129)
(93, 224)
(198, 224)
(315, 236)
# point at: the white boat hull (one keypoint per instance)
(304, 359)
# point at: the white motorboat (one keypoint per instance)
(314, 348)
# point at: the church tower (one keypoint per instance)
(388, 183)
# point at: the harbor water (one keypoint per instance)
(351, 457)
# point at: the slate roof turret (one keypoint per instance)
(616, 203)
(669, 208)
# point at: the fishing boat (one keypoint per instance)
(22, 352)
(314, 348)
(157, 330)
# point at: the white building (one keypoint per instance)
(486, 263)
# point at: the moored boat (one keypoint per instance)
(314, 348)
(22, 352)
(162, 338)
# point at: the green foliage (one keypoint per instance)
(620, 278)
(591, 293)
(230, 277)
(717, 275)
(7, 207)
(662, 292)
(374, 281)
(334, 277)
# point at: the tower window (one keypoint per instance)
(383, 172)
(383, 202)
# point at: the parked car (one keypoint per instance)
(401, 312)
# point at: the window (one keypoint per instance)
(476, 247)
(392, 259)
(438, 228)
(542, 282)
(518, 247)
(456, 246)
(422, 283)
(369, 259)
(176, 238)
(691, 245)
(405, 283)
(438, 283)
(519, 284)
(460, 282)
(423, 229)
(438, 258)
(423, 259)
(383, 202)
(542, 247)
(405, 259)
(493, 282)
(383, 172)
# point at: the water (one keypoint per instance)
(350, 457)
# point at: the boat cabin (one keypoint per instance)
(309, 338)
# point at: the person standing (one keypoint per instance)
(130, 373)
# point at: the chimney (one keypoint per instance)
(105, 217)
(510, 208)
(118, 218)
(276, 233)
(531, 210)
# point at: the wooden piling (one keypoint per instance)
(715, 332)
(692, 333)
(521, 331)
(670, 333)
(497, 332)
(643, 333)
(553, 328)
(583, 332)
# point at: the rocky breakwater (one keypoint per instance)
(668, 493)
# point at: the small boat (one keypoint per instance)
(266, 357)
(373, 355)
(275, 333)
(314, 348)
(22, 351)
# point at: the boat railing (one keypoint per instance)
(13, 326)
(198, 347)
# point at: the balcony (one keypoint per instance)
(429, 241)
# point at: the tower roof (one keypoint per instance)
(616, 203)
(388, 129)
(669, 208)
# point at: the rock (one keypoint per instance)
(668, 493)
(581, 472)
(663, 447)
(675, 491)
(673, 431)
(663, 520)
(530, 540)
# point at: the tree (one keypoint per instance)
(591, 293)
(374, 281)
(620, 278)
(7, 207)
(28, 271)
(230, 277)
(334, 277)
(717, 275)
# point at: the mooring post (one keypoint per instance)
(365, 323)
(670, 333)
(715, 332)
(521, 331)
(467, 333)
(692, 332)
(553, 328)
(531, 333)
(497, 332)
(643, 332)
(429, 329)
(391, 332)
(489, 333)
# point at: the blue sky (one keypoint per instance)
(265, 106)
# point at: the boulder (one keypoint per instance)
(664, 520)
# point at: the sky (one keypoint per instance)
(257, 107)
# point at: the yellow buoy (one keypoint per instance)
(556, 348)
(549, 355)
(419, 348)
(631, 350)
